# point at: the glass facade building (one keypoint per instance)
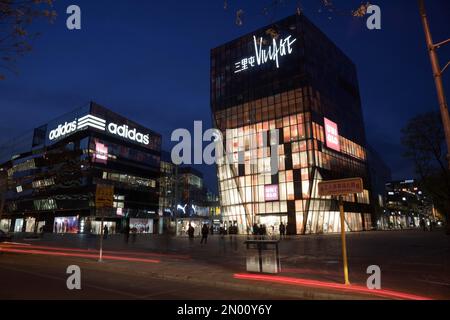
(50, 175)
(288, 84)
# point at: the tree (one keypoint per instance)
(424, 142)
(325, 6)
(16, 19)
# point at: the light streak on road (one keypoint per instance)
(78, 255)
(329, 285)
(67, 249)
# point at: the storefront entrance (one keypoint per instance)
(18, 226)
(5, 225)
(66, 225)
(96, 227)
(141, 225)
(272, 223)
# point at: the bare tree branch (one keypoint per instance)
(16, 18)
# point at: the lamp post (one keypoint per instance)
(437, 73)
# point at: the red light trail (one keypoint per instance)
(329, 285)
(67, 249)
(78, 255)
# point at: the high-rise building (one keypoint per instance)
(380, 174)
(184, 198)
(406, 205)
(50, 175)
(289, 85)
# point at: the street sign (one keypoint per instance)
(104, 196)
(340, 187)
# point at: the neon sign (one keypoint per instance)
(332, 135)
(89, 120)
(262, 56)
(271, 192)
(101, 153)
(125, 132)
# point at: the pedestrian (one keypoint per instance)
(261, 231)
(423, 225)
(211, 229)
(255, 230)
(282, 230)
(105, 232)
(191, 231)
(126, 233)
(133, 234)
(205, 232)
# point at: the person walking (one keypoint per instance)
(133, 234)
(261, 231)
(126, 233)
(423, 224)
(190, 232)
(282, 230)
(205, 232)
(255, 230)
(105, 232)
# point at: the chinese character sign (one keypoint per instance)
(332, 135)
(340, 187)
(104, 196)
(262, 56)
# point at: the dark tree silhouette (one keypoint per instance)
(424, 143)
(16, 18)
(271, 6)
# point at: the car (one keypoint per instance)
(5, 236)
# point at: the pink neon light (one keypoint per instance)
(329, 285)
(271, 192)
(332, 135)
(101, 153)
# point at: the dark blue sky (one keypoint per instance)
(149, 60)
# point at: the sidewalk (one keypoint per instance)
(217, 264)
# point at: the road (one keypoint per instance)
(413, 262)
(36, 277)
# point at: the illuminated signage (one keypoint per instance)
(63, 129)
(87, 121)
(101, 153)
(340, 187)
(262, 56)
(271, 192)
(125, 132)
(332, 135)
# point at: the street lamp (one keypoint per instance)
(437, 72)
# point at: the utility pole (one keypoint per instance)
(343, 240)
(437, 73)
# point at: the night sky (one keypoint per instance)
(149, 61)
